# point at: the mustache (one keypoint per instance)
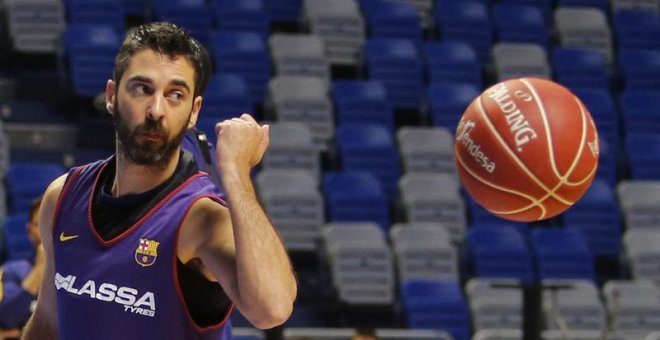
(151, 127)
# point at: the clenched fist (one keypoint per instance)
(241, 143)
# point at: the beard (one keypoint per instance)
(151, 152)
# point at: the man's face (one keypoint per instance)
(153, 106)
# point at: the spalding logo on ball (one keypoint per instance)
(526, 149)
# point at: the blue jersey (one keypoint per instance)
(126, 287)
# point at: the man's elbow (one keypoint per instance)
(274, 316)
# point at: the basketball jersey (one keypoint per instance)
(126, 287)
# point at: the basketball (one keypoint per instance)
(526, 149)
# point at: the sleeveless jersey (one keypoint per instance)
(126, 287)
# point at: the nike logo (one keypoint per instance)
(64, 238)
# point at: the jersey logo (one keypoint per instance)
(146, 252)
(64, 238)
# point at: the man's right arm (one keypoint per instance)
(43, 323)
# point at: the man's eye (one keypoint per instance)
(140, 89)
(176, 95)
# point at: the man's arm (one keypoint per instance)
(239, 245)
(15, 301)
(43, 323)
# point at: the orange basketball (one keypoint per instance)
(526, 149)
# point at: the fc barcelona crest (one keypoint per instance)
(146, 252)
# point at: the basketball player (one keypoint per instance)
(140, 246)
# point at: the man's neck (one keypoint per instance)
(132, 178)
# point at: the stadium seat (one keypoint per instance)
(603, 110)
(370, 148)
(90, 50)
(136, 8)
(194, 15)
(283, 11)
(226, 97)
(304, 100)
(426, 149)
(397, 64)
(642, 252)
(499, 251)
(584, 27)
(355, 197)
(521, 24)
(436, 305)
(633, 306)
(245, 54)
(562, 254)
(26, 181)
(361, 263)
(575, 305)
(637, 199)
(643, 153)
(466, 21)
(299, 55)
(603, 5)
(35, 26)
(580, 68)
(640, 68)
(546, 6)
(641, 111)
(241, 15)
(495, 303)
(646, 5)
(517, 60)
(449, 101)
(433, 198)
(362, 102)
(452, 61)
(341, 26)
(16, 239)
(110, 12)
(389, 19)
(292, 147)
(637, 29)
(294, 203)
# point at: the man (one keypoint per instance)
(140, 245)
(19, 281)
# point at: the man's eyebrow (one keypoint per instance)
(180, 82)
(141, 79)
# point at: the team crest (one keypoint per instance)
(146, 252)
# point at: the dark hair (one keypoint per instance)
(167, 39)
(34, 207)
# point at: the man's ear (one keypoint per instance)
(110, 93)
(194, 114)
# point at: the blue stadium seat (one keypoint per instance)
(354, 196)
(641, 111)
(640, 68)
(466, 21)
(245, 54)
(562, 254)
(598, 217)
(637, 29)
(371, 148)
(451, 62)
(226, 97)
(24, 111)
(521, 23)
(643, 152)
(288, 11)
(207, 125)
(546, 6)
(397, 64)
(362, 102)
(193, 15)
(577, 67)
(499, 251)
(480, 216)
(601, 105)
(242, 15)
(16, 239)
(109, 12)
(392, 20)
(449, 101)
(25, 181)
(436, 305)
(90, 51)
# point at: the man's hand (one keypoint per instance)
(241, 142)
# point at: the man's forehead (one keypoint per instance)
(151, 64)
